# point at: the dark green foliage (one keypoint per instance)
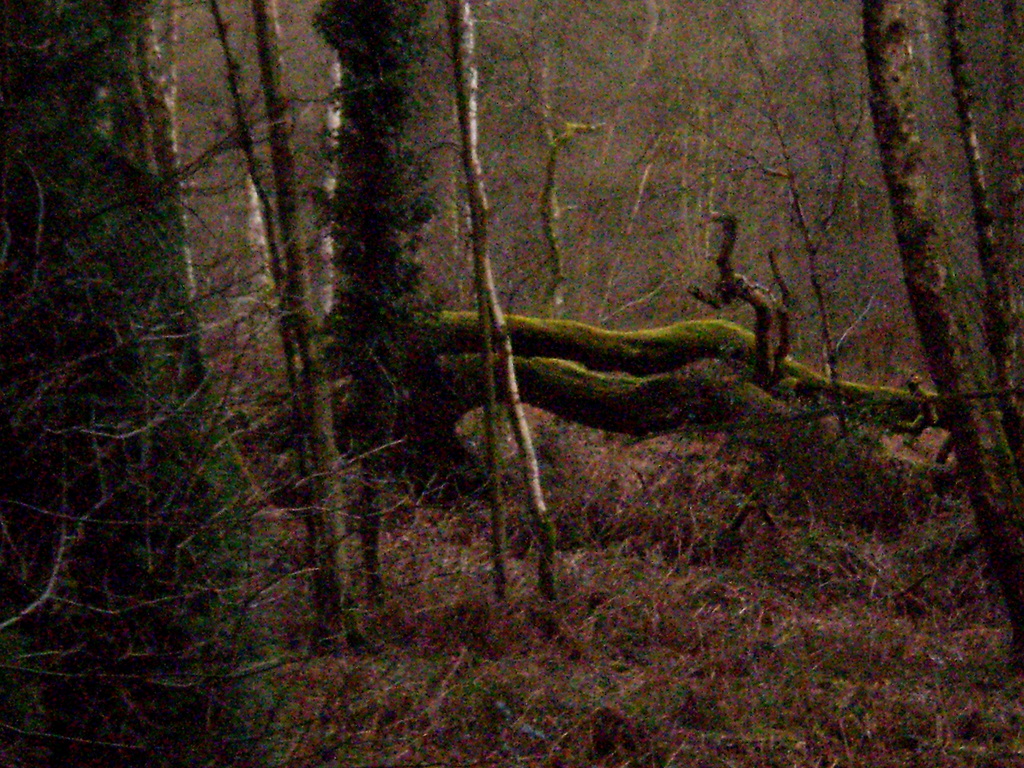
(380, 205)
(105, 447)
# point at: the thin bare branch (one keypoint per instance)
(49, 590)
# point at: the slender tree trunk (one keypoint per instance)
(1008, 174)
(550, 216)
(550, 210)
(979, 437)
(461, 26)
(161, 83)
(139, 122)
(327, 532)
(258, 199)
(310, 392)
(325, 272)
(256, 229)
(1008, 151)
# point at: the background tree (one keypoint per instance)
(302, 334)
(496, 345)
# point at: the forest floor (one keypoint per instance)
(846, 622)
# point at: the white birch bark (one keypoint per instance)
(492, 317)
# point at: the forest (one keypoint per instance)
(408, 383)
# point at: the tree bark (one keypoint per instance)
(491, 316)
(998, 316)
(632, 405)
(312, 397)
(380, 205)
(692, 373)
(461, 31)
(117, 490)
(978, 434)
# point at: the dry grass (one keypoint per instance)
(818, 635)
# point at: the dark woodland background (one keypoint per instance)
(812, 591)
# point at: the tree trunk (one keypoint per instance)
(313, 398)
(461, 31)
(998, 315)
(116, 563)
(324, 273)
(324, 530)
(979, 437)
(492, 317)
(378, 210)
(695, 373)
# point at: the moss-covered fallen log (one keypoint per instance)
(643, 382)
(641, 353)
(624, 403)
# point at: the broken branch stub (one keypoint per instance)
(769, 312)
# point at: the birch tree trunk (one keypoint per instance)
(493, 325)
(142, 122)
(462, 43)
(161, 49)
(979, 435)
(324, 271)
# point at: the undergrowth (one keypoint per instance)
(814, 604)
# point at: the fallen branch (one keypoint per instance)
(611, 369)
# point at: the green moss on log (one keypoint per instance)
(641, 353)
(624, 403)
(637, 382)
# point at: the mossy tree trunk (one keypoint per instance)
(118, 555)
(697, 373)
(379, 205)
(981, 434)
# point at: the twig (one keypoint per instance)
(72, 739)
(963, 548)
(853, 326)
(48, 591)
